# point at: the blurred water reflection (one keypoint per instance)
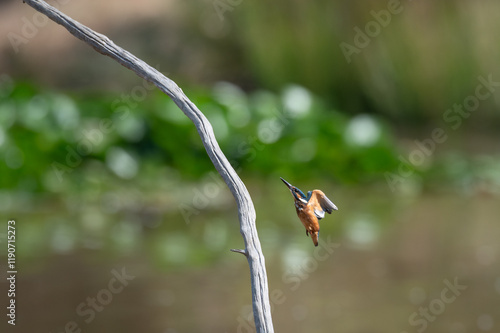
(391, 256)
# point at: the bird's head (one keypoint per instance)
(298, 195)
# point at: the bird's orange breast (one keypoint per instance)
(308, 218)
(310, 222)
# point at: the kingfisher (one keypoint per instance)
(311, 209)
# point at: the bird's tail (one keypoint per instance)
(314, 237)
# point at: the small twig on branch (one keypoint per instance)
(246, 210)
(243, 252)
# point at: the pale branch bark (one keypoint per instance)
(246, 210)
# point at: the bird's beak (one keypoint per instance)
(287, 184)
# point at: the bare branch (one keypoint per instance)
(246, 210)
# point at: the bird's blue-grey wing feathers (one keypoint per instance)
(326, 204)
(322, 204)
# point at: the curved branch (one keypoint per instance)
(246, 210)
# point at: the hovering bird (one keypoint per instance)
(311, 209)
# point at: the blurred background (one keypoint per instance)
(391, 108)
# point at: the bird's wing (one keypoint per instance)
(320, 213)
(321, 204)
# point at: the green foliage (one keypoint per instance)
(48, 137)
(125, 174)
